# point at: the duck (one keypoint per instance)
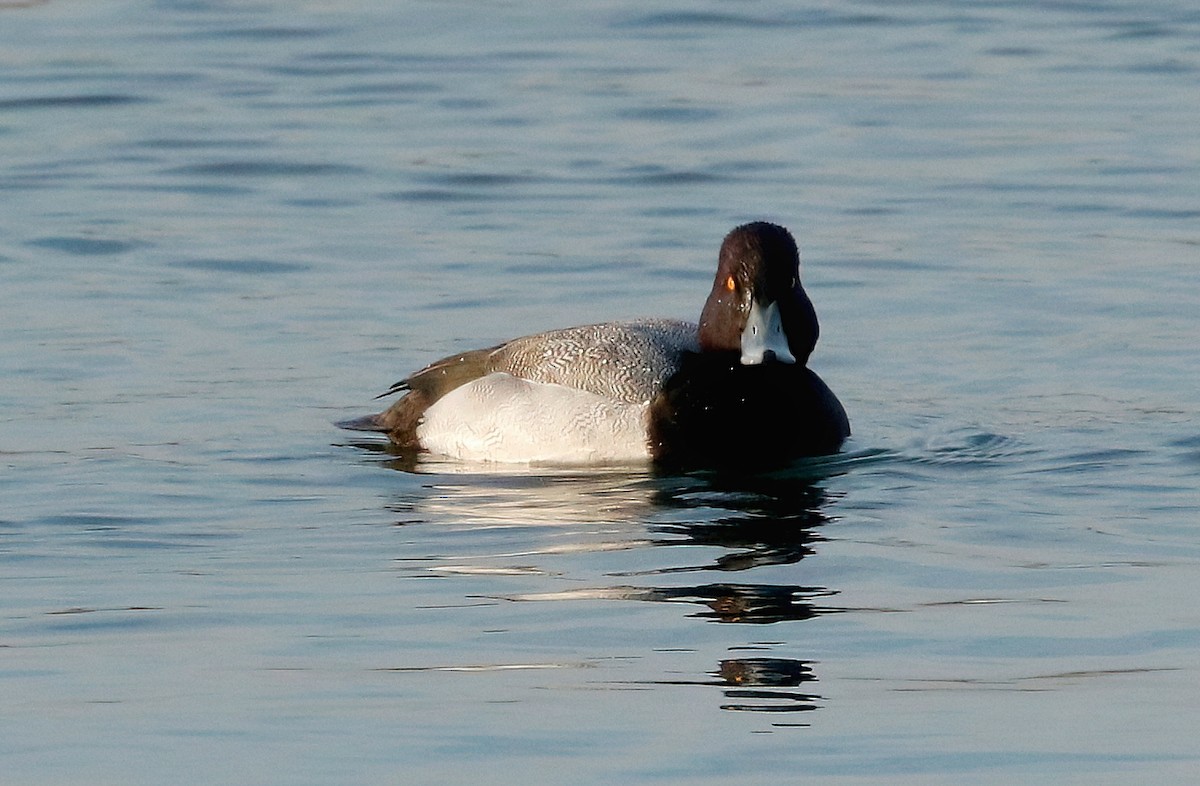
(733, 389)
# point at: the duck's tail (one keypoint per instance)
(365, 423)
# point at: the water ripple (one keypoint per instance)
(86, 246)
(255, 267)
(82, 101)
(965, 449)
(264, 168)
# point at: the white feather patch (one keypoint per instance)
(505, 419)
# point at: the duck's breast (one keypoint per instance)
(716, 411)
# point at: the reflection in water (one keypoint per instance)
(719, 523)
(750, 603)
(745, 603)
(765, 520)
(761, 685)
(738, 603)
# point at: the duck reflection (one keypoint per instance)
(761, 685)
(765, 685)
(759, 520)
(740, 603)
(668, 525)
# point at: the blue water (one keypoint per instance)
(224, 226)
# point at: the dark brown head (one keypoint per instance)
(757, 306)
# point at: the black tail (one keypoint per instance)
(365, 423)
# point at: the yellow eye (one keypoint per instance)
(730, 284)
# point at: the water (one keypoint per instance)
(227, 225)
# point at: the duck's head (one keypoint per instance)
(757, 306)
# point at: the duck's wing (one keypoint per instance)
(440, 377)
(626, 362)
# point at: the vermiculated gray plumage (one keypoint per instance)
(627, 362)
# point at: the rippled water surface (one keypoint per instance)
(225, 226)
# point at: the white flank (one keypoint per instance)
(501, 418)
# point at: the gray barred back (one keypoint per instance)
(625, 361)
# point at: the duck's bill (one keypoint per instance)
(763, 338)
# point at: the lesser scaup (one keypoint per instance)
(734, 389)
